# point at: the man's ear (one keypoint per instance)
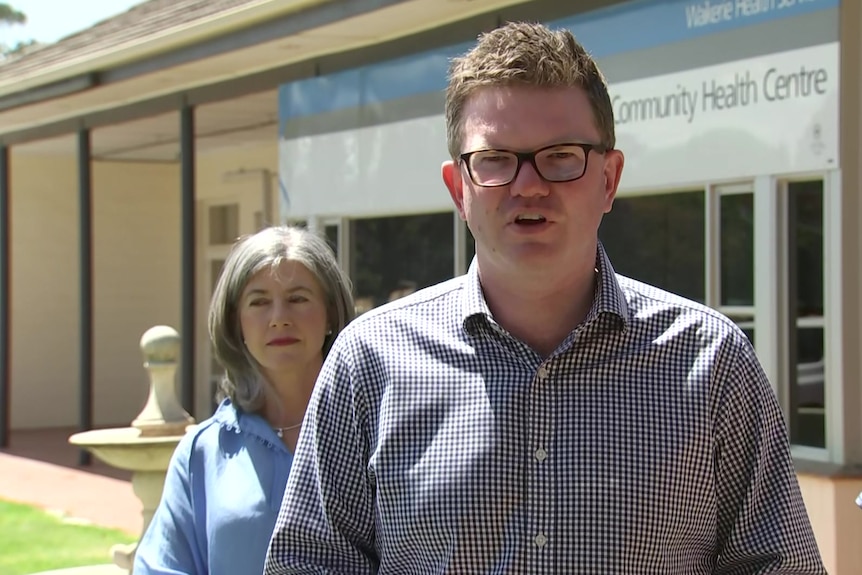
(612, 172)
(452, 178)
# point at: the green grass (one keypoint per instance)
(32, 540)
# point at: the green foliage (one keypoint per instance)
(9, 15)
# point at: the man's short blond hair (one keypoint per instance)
(525, 54)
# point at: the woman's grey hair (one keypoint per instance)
(243, 382)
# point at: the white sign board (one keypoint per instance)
(768, 115)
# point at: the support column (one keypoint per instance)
(187, 299)
(85, 213)
(5, 315)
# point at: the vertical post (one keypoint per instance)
(5, 285)
(187, 169)
(85, 209)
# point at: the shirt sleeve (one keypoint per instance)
(169, 545)
(326, 522)
(763, 526)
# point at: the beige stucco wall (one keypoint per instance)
(136, 284)
(136, 226)
(137, 277)
(44, 293)
(836, 520)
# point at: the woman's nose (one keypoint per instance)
(280, 316)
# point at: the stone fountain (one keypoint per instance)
(145, 448)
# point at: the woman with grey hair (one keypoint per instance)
(279, 303)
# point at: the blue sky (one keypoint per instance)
(50, 20)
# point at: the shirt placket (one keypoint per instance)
(540, 489)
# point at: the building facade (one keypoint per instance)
(127, 171)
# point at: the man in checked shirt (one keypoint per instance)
(540, 414)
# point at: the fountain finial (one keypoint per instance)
(160, 344)
(162, 415)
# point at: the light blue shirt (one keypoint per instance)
(222, 494)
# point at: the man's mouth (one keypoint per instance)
(529, 219)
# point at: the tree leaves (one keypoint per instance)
(9, 15)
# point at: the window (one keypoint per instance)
(805, 284)
(332, 233)
(660, 240)
(699, 244)
(392, 257)
(736, 256)
(296, 223)
(223, 224)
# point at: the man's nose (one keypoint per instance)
(528, 182)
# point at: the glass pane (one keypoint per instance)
(808, 200)
(215, 271)
(392, 257)
(810, 428)
(331, 233)
(737, 249)
(659, 240)
(746, 324)
(223, 224)
(806, 344)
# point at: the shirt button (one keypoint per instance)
(540, 540)
(543, 372)
(541, 455)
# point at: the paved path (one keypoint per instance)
(41, 468)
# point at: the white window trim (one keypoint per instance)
(833, 255)
(768, 296)
(834, 424)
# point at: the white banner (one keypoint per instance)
(774, 114)
(768, 115)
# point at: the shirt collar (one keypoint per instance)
(227, 415)
(231, 418)
(473, 302)
(609, 298)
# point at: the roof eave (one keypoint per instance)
(70, 76)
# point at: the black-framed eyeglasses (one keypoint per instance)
(556, 163)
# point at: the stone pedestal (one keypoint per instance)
(145, 448)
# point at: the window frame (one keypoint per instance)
(712, 258)
(771, 287)
(769, 311)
